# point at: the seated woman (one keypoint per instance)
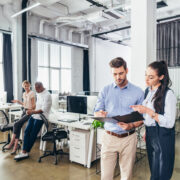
(28, 104)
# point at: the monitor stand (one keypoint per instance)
(79, 117)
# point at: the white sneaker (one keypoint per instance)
(21, 156)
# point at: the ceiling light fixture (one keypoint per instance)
(25, 9)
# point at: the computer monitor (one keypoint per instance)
(81, 104)
(77, 104)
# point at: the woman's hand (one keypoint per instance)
(15, 101)
(140, 108)
(125, 126)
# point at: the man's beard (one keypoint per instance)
(122, 82)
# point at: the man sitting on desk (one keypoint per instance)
(43, 105)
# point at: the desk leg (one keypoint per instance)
(90, 148)
(10, 116)
(42, 143)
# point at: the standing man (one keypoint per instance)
(43, 105)
(119, 138)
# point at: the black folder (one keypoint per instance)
(128, 118)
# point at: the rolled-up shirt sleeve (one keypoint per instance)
(100, 105)
(47, 104)
(168, 119)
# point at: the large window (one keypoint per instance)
(54, 66)
(1, 65)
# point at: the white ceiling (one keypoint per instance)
(84, 15)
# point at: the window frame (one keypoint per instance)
(60, 68)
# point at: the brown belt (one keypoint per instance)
(121, 135)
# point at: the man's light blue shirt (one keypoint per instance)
(117, 101)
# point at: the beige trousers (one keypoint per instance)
(126, 148)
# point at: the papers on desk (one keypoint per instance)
(132, 117)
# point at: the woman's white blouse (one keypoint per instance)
(168, 119)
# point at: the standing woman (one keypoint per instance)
(159, 109)
(28, 104)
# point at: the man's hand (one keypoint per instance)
(125, 126)
(29, 112)
(144, 137)
(100, 113)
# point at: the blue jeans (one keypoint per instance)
(32, 129)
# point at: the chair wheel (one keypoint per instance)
(55, 163)
(39, 160)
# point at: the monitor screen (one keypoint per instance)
(77, 104)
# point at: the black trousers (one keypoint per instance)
(19, 124)
(160, 144)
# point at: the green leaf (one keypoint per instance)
(97, 124)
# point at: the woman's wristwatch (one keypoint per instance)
(153, 115)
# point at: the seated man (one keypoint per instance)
(43, 105)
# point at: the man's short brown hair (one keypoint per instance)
(118, 62)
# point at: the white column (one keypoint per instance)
(143, 33)
(16, 26)
(17, 52)
(17, 58)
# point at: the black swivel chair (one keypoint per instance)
(5, 126)
(53, 136)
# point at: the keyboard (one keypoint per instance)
(87, 123)
(67, 120)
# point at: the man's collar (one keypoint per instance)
(126, 86)
(41, 92)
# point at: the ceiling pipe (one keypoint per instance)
(70, 18)
(41, 25)
(96, 4)
(65, 7)
(82, 38)
(70, 34)
(56, 33)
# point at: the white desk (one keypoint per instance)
(8, 107)
(56, 116)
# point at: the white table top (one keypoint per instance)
(10, 106)
(57, 118)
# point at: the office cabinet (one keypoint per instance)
(79, 146)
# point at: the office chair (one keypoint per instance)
(5, 126)
(52, 136)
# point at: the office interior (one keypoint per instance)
(67, 45)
